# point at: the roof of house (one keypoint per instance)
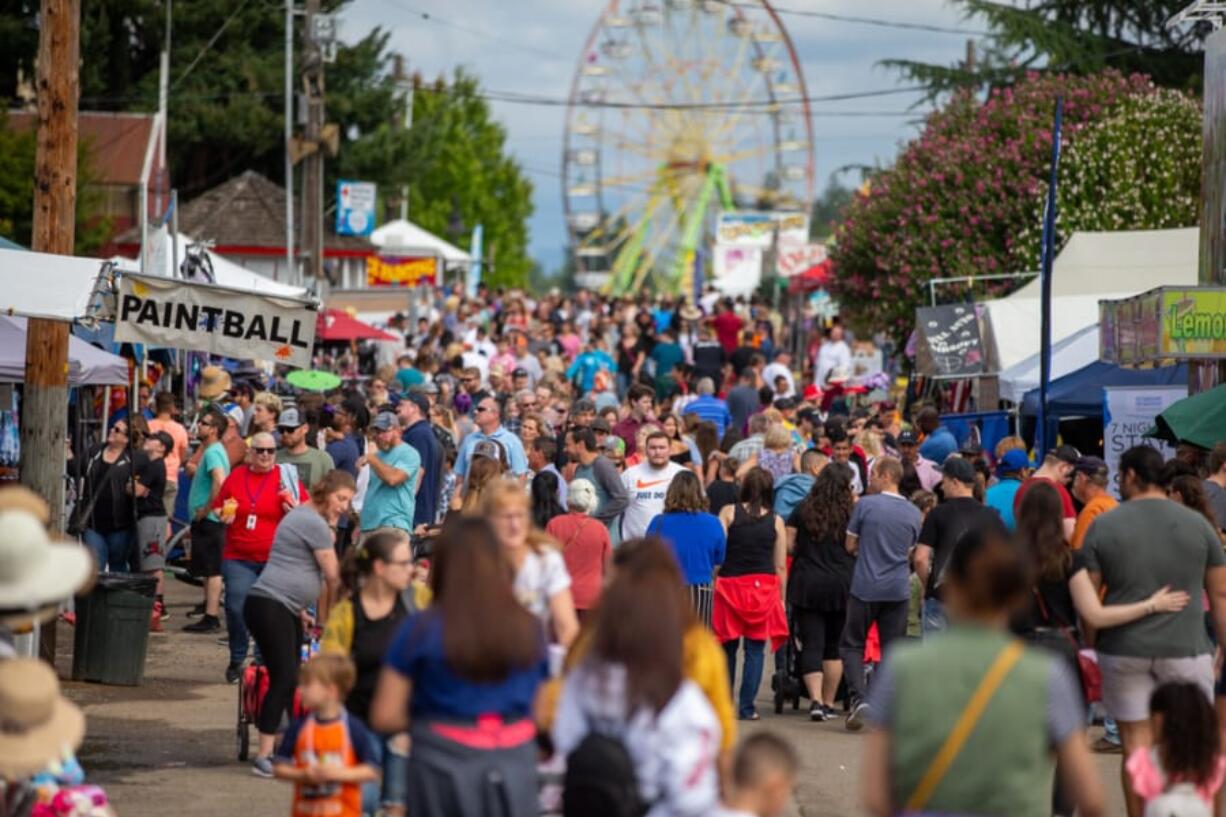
(246, 211)
(117, 142)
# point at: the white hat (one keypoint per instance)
(35, 571)
(39, 723)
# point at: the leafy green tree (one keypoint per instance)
(1071, 36)
(828, 209)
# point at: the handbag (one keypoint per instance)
(1088, 672)
(965, 723)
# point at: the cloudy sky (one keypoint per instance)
(532, 47)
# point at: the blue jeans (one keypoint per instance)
(933, 619)
(392, 790)
(112, 550)
(751, 672)
(238, 577)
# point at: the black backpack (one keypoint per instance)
(600, 780)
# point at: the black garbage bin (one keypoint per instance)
(112, 629)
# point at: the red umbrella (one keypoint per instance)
(334, 326)
(814, 277)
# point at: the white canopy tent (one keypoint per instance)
(44, 285)
(1071, 353)
(1090, 268)
(87, 364)
(402, 237)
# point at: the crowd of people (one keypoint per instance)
(549, 528)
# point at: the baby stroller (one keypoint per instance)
(252, 688)
(787, 682)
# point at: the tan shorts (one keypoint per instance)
(168, 497)
(1128, 682)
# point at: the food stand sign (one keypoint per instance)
(401, 272)
(950, 341)
(166, 312)
(1167, 323)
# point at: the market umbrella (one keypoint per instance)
(1199, 419)
(312, 380)
(334, 325)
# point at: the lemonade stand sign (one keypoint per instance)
(1167, 323)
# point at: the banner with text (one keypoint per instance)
(1128, 412)
(179, 315)
(400, 272)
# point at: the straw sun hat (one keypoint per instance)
(37, 724)
(214, 381)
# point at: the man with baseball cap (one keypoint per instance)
(311, 463)
(1011, 470)
(909, 453)
(414, 414)
(1090, 481)
(959, 514)
(395, 474)
(1057, 468)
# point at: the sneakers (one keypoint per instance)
(233, 673)
(817, 712)
(206, 624)
(155, 620)
(163, 613)
(196, 612)
(262, 767)
(224, 641)
(858, 716)
(1103, 746)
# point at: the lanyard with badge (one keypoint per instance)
(254, 499)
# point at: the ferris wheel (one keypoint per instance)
(678, 109)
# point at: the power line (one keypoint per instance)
(432, 18)
(869, 21)
(212, 40)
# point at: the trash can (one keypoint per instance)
(112, 629)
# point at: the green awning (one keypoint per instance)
(1199, 420)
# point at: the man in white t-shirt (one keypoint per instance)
(781, 366)
(647, 483)
(833, 354)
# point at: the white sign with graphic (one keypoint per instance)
(1128, 412)
(355, 207)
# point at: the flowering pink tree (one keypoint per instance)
(961, 194)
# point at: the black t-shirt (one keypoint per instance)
(945, 526)
(751, 545)
(820, 578)
(721, 494)
(708, 359)
(741, 357)
(151, 474)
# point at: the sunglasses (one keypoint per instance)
(480, 409)
(269, 451)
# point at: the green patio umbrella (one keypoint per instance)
(1199, 419)
(312, 380)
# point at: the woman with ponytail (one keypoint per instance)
(375, 575)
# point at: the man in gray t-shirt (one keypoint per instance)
(880, 534)
(1147, 543)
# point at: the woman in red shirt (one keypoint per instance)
(251, 503)
(586, 548)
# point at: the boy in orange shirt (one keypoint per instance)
(325, 752)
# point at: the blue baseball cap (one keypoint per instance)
(1012, 462)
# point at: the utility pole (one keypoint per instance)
(313, 164)
(970, 56)
(290, 267)
(44, 405)
(402, 81)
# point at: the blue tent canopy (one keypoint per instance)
(1080, 394)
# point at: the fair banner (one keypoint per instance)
(400, 272)
(738, 270)
(1128, 412)
(757, 229)
(164, 312)
(797, 260)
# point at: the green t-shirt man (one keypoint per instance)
(202, 483)
(312, 464)
(1140, 547)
